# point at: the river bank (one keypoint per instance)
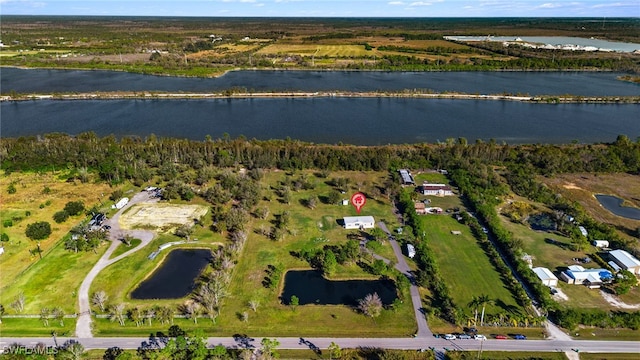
(231, 94)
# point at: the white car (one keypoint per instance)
(449, 337)
(480, 337)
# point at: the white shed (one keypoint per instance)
(600, 243)
(546, 276)
(583, 231)
(359, 222)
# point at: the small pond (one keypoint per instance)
(176, 277)
(614, 204)
(312, 288)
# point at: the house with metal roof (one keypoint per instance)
(625, 260)
(359, 222)
(591, 278)
(407, 179)
(546, 276)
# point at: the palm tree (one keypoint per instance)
(474, 304)
(484, 300)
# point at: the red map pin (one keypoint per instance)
(358, 200)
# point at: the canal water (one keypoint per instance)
(360, 121)
(312, 288)
(176, 276)
(531, 83)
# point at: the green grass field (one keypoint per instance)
(464, 266)
(35, 327)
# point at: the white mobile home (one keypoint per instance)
(600, 243)
(121, 203)
(359, 222)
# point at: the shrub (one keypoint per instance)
(74, 207)
(11, 189)
(4, 237)
(38, 230)
(60, 216)
(7, 223)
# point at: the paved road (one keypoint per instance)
(387, 343)
(403, 267)
(83, 325)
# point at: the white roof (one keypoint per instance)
(614, 266)
(625, 258)
(359, 219)
(576, 268)
(544, 273)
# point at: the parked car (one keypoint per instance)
(464, 337)
(520, 337)
(501, 337)
(449, 337)
(480, 337)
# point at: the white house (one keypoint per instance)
(359, 222)
(626, 261)
(436, 189)
(591, 278)
(121, 203)
(546, 276)
(411, 251)
(1, 250)
(600, 243)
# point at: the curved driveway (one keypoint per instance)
(83, 325)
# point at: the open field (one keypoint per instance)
(463, 264)
(161, 217)
(465, 267)
(185, 46)
(583, 187)
(40, 195)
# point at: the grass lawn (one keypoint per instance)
(544, 253)
(35, 327)
(123, 248)
(590, 333)
(319, 50)
(608, 356)
(52, 281)
(464, 266)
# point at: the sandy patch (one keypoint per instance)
(617, 303)
(160, 216)
(571, 186)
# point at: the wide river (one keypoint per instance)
(362, 121)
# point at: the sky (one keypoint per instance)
(326, 8)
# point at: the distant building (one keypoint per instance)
(345, 202)
(600, 243)
(546, 276)
(406, 177)
(626, 261)
(420, 208)
(411, 251)
(359, 222)
(591, 278)
(436, 189)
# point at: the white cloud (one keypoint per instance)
(549, 6)
(618, 4)
(396, 3)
